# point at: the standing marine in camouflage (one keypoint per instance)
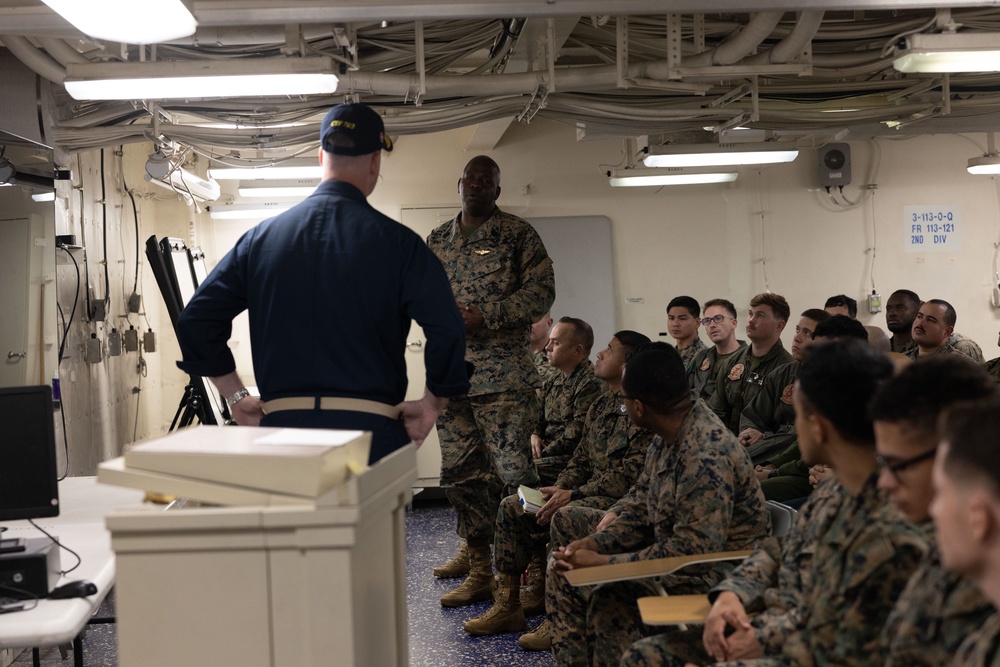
(697, 494)
(565, 396)
(740, 380)
(938, 608)
(502, 279)
(821, 595)
(683, 318)
(720, 325)
(767, 424)
(604, 466)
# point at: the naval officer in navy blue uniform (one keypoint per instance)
(331, 286)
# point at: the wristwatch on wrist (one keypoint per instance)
(773, 473)
(576, 494)
(237, 397)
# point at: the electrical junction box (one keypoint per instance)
(835, 165)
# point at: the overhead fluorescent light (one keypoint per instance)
(128, 21)
(44, 196)
(948, 52)
(248, 211)
(294, 169)
(658, 177)
(277, 189)
(187, 79)
(719, 155)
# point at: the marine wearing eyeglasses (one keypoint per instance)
(720, 324)
(937, 609)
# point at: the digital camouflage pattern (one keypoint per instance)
(741, 379)
(694, 348)
(897, 345)
(704, 368)
(503, 268)
(485, 455)
(937, 610)
(610, 456)
(541, 360)
(697, 494)
(819, 596)
(771, 412)
(982, 647)
(565, 402)
(968, 347)
(604, 466)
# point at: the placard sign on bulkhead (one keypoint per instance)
(932, 228)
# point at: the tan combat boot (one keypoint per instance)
(539, 639)
(533, 595)
(505, 615)
(479, 585)
(458, 566)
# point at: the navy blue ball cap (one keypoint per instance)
(353, 129)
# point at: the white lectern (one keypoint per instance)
(277, 583)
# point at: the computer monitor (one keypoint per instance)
(28, 475)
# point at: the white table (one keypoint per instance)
(80, 526)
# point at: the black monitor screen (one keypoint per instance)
(28, 486)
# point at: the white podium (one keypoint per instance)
(274, 584)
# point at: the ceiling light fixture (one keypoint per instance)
(296, 189)
(247, 211)
(160, 171)
(243, 77)
(293, 169)
(128, 21)
(988, 164)
(620, 178)
(719, 155)
(948, 52)
(44, 196)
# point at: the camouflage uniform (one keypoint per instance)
(993, 368)
(982, 647)
(565, 402)
(606, 463)
(819, 596)
(772, 414)
(740, 380)
(696, 495)
(935, 613)
(898, 346)
(503, 268)
(968, 347)
(691, 351)
(705, 367)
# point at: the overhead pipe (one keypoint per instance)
(38, 61)
(733, 49)
(61, 51)
(791, 46)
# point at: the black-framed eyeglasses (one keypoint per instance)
(899, 466)
(718, 319)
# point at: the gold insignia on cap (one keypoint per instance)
(481, 252)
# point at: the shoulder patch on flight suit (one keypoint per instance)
(705, 363)
(787, 394)
(736, 372)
